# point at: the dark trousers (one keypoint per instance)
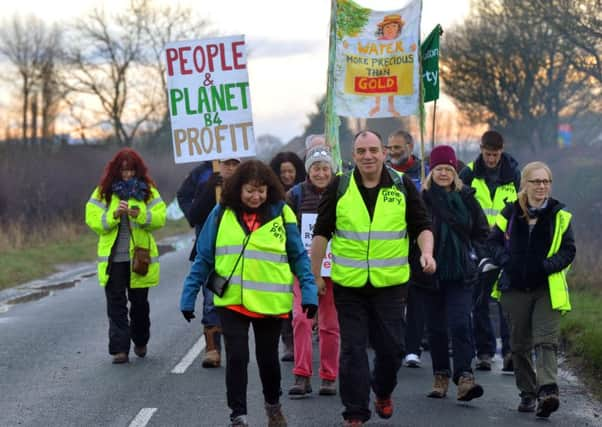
(483, 330)
(448, 308)
(235, 330)
(368, 314)
(415, 320)
(118, 292)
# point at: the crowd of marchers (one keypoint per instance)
(415, 262)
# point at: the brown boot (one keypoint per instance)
(439, 387)
(468, 389)
(212, 357)
(275, 415)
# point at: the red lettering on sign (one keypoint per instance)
(385, 84)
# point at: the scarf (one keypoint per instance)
(131, 189)
(449, 207)
(536, 212)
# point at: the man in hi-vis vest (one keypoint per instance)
(371, 213)
(496, 178)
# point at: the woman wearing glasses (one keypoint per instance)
(533, 242)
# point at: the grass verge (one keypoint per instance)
(39, 259)
(582, 337)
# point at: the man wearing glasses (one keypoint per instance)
(496, 178)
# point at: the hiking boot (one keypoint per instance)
(353, 423)
(140, 350)
(546, 404)
(301, 387)
(508, 365)
(275, 416)
(527, 403)
(468, 389)
(239, 421)
(384, 407)
(328, 388)
(120, 358)
(439, 387)
(483, 363)
(412, 361)
(212, 358)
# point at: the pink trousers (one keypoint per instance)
(328, 328)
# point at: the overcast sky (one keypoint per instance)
(287, 41)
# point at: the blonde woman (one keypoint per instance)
(460, 228)
(533, 242)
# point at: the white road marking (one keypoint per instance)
(192, 354)
(143, 417)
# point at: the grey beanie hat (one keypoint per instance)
(319, 153)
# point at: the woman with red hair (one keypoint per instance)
(123, 210)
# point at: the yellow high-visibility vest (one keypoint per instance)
(365, 250)
(492, 207)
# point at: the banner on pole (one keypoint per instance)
(209, 99)
(429, 51)
(376, 71)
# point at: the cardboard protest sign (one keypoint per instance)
(307, 232)
(209, 99)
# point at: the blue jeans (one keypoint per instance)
(210, 316)
(448, 308)
(484, 335)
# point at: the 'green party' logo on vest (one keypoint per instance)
(277, 231)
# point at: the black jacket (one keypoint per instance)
(509, 172)
(523, 256)
(479, 230)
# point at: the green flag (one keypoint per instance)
(429, 51)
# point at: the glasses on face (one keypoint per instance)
(538, 182)
(395, 147)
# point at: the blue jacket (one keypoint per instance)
(205, 259)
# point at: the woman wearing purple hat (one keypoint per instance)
(460, 227)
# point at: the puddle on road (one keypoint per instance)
(33, 296)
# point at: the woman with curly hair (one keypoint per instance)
(251, 238)
(123, 210)
(289, 168)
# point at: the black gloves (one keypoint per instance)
(188, 315)
(215, 179)
(310, 310)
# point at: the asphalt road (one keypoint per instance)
(55, 371)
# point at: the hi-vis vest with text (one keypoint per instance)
(559, 290)
(492, 207)
(99, 218)
(262, 281)
(374, 251)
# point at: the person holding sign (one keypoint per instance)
(304, 199)
(371, 213)
(251, 238)
(123, 210)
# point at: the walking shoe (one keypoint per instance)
(439, 387)
(239, 421)
(120, 358)
(275, 416)
(527, 403)
(468, 389)
(288, 355)
(353, 423)
(328, 388)
(412, 361)
(483, 363)
(384, 407)
(508, 365)
(212, 358)
(546, 404)
(301, 387)
(140, 351)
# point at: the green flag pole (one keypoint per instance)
(434, 124)
(332, 122)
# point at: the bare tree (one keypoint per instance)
(103, 63)
(504, 67)
(21, 42)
